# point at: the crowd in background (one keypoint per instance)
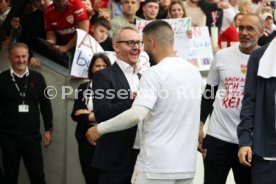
(54, 23)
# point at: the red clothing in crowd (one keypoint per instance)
(229, 35)
(104, 3)
(64, 23)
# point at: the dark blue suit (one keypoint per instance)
(257, 128)
(114, 155)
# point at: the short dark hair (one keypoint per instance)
(101, 21)
(161, 31)
(93, 60)
(151, 1)
(155, 25)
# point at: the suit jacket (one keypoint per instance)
(257, 127)
(82, 120)
(113, 150)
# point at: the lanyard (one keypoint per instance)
(214, 17)
(22, 94)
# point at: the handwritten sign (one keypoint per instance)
(86, 47)
(197, 50)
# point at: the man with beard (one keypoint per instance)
(115, 88)
(169, 139)
(227, 75)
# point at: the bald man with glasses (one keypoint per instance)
(115, 89)
(227, 76)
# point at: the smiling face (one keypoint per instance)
(176, 11)
(18, 59)
(123, 51)
(150, 10)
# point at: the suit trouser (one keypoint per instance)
(263, 171)
(27, 147)
(221, 156)
(119, 177)
(1, 176)
(86, 152)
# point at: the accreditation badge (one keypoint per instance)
(23, 108)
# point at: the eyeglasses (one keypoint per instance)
(247, 28)
(132, 43)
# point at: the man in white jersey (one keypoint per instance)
(227, 74)
(168, 100)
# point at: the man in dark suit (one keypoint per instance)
(114, 89)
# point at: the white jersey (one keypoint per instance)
(228, 71)
(171, 90)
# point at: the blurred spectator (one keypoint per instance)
(115, 7)
(100, 30)
(214, 18)
(102, 12)
(128, 17)
(4, 10)
(163, 9)
(61, 19)
(269, 29)
(89, 7)
(150, 10)
(245, 6)
(17, 7)
(105, 13)
(31, 32)
(198, 10)
(231, 33)
(176, 9)
(229, 14)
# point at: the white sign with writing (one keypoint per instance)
(197, 50)
(86, 47)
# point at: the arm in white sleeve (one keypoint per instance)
(125, 120)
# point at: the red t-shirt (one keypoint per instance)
(64, 23)
(229, 35)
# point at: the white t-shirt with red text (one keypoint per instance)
(228, 71)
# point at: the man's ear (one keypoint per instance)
(262, 31)
(152, 42)
(115, 47)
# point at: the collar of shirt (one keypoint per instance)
(127, 68)
(20, 76)
(4, 15)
